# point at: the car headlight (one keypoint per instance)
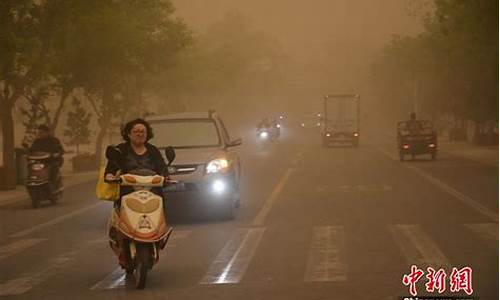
(219, 186)
(217, 165)
(37, 167)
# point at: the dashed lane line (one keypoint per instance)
(54, 221)
(486, 231)
(327, 255)
(418, 247)
(232, 261)
(268, 204)
(448, 189)
(18, 246)
(29, 280)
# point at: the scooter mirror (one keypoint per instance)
(170, 154)
(112, 154)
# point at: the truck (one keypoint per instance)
(340, 119)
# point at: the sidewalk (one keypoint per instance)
(69, 179)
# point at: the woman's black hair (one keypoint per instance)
(128, 127)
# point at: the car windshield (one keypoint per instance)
(185, 133)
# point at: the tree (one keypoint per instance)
(77, 125)
(22, 62)
(36, 114)
(453, 63)
(121, 44)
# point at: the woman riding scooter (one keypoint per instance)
(135, 155)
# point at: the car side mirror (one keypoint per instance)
(236, 142)
(170, 154)
(113, 154)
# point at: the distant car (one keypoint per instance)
(206, 165)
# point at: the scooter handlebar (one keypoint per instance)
(131, 180)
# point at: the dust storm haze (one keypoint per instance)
(328, 46)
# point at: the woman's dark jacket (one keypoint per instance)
(129, 161)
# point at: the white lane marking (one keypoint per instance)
(18, 246)
(115, 279)
(487, 231)
(54, 221)
(444, 187)
(118, 279)
(418, 247)
(28, 281)
(326, 255)
(374, 188)
(268, 204)
(233, 260)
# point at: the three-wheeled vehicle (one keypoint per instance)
(416, 137)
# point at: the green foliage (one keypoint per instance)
(77, 125)
(36, 114)
(454, 62)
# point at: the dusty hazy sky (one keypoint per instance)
(333, 42)
(306, 28)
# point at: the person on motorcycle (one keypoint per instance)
(276, 127)
(46, 142)
(136, 153)
(413, 125)
(264, 124)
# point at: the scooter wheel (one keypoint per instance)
(142, 266)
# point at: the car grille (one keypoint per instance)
(183, 169)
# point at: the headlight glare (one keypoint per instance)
(219, 186)
(217, 165)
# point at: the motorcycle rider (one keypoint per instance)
(264, 124)
(276, 127)
(413, 125)
(46, 142)
(136, 153)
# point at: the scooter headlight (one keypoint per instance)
(37, 167)
(217, 166)
(278, 126)
(264, 134)
(218, 186)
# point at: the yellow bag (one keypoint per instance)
(107, 191)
